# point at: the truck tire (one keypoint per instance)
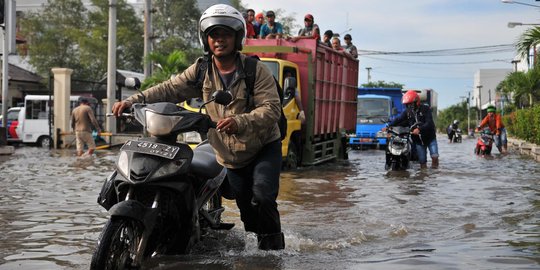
(291, 160)
(44, 141)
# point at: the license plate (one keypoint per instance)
(151, 148)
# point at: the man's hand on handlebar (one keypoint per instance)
(119, 106)
(415, 131)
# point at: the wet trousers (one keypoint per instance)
(256, 188)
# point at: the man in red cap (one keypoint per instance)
(311, 30)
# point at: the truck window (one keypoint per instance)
(274, 67)
(13, 115)
(37, 109)
(373, 110)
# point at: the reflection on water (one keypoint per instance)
(472, 212)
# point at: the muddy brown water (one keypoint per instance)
(471, 213)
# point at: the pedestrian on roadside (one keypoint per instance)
(247, 136)
(82, 122)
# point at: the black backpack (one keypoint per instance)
(250, 68)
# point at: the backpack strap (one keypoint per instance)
(250, 69)
(202, 66)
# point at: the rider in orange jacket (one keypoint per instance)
(494, 121)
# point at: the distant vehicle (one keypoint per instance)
(12, 123)
(375, 107)
(34, 124)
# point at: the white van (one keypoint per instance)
(33, 126)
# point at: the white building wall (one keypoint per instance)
(489, 79)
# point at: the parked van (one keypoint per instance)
(35, 125)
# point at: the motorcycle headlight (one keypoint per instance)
(123, 164)
(159, 124)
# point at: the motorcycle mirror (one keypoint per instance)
(132, 82)
(222, 97)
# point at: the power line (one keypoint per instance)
(446, 52)
(439, 63)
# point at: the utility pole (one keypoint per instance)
(479, 102)
(111, 67)
(148, 34)
(368, 74)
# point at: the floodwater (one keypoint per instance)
(471, 213)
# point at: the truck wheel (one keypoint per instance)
(291, 161)
(45, 141)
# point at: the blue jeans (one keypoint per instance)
(501, 139)
(421, 151)
(256, 189)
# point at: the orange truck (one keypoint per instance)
(325, 83)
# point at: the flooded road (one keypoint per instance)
(471, 213)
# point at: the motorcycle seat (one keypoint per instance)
(204, 162)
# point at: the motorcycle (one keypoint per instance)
(457, 136)
(484, 143)
(399, 148)
(162, 195)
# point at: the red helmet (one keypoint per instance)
(411, 97)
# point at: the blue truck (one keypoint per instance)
(375, 107)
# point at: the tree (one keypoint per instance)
(529, 39)
(175, 25)
(383, 84)
(168, 65)
(523, 86)
(66, 34)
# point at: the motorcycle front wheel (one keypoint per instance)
(117, 245)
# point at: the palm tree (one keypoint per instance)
(529, 39)
(524, 86)
(167, 66)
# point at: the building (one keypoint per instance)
(485, 85)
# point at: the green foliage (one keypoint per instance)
(524, 87)
(66, 34)
(383, 84)
(169, 65)
(529, 39)
(175, 25)
(524, 124)
(456, 112)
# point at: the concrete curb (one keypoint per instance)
(525, 148)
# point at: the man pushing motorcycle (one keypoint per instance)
(247, 137)
(418, 116)
(493, 120)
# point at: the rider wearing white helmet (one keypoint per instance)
(246, 140)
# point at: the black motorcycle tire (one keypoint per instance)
(117, 245)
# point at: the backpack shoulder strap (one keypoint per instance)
(250, 69)
(202, 66)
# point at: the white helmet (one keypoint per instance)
(222, 15)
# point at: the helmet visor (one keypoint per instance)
(209, 22)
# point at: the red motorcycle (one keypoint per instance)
(484, 142)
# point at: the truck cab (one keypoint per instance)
(373, 112)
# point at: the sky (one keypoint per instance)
(420, 25)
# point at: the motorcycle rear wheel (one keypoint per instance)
(117, 245)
